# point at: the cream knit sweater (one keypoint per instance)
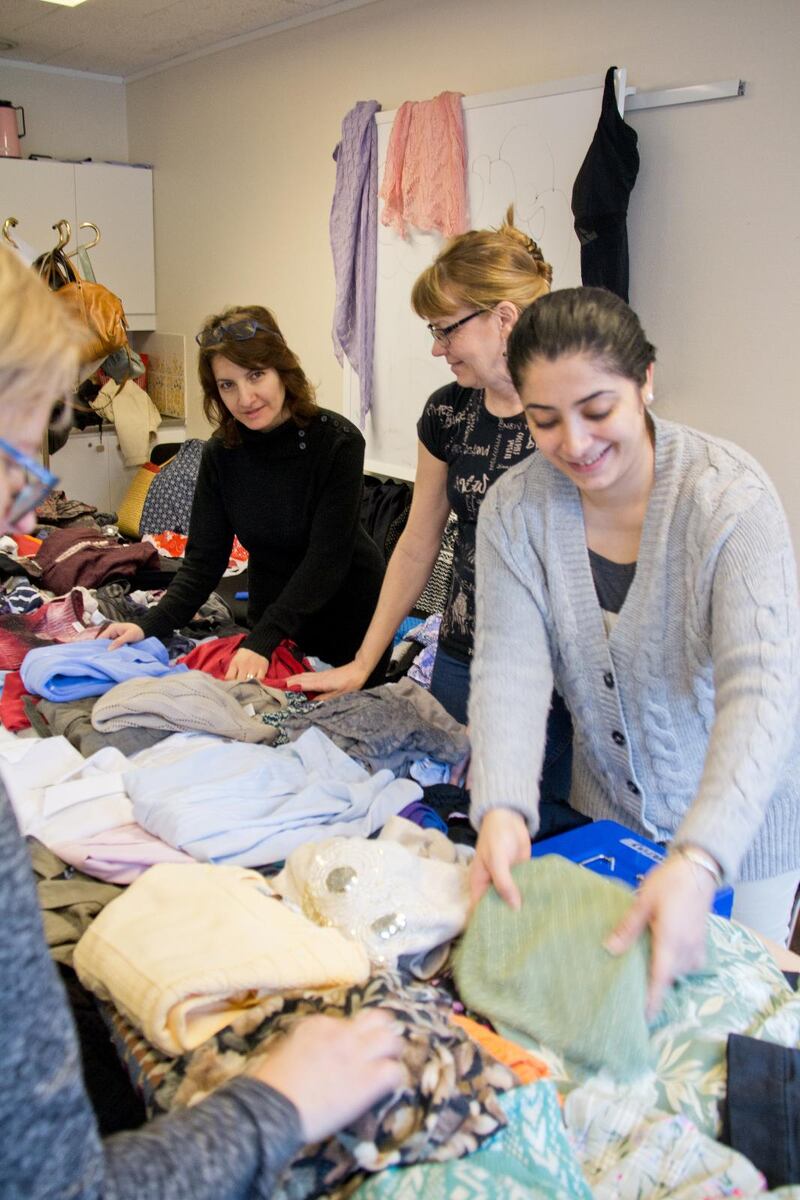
(187, 947)
(686, 716)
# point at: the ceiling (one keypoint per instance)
(125, 38)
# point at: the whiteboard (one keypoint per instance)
(523, 147)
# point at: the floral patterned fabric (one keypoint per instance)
(448, 1108)
(746, 993)
(531, 1159)
(650, 1140)
(631, 1151)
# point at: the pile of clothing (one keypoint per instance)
(219, 858)
(159, 734)
(201, 968)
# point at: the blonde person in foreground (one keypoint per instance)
(233, 1145)
(647, 569)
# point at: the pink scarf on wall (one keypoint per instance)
(424, 180)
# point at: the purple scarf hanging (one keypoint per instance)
(353, 233)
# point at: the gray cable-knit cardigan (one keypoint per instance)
(686, 716)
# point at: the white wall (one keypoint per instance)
(241, 142)
(68, 116)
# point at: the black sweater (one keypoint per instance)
(292, 496)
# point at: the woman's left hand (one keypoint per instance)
(246, 664)
(674, 900)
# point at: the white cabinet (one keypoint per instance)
(37, 194)
(120, 202)
(90, 466)
(118, 199)
(82, 467)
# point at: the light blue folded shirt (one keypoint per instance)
(79, 669)
(255, 805)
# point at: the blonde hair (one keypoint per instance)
(39, 344)
(480, 268)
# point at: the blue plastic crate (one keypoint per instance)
(609, 848)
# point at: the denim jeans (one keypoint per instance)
(450, 686)
(761, 1115)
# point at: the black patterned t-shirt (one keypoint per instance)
(478, 447)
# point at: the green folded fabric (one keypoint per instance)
(542, 975)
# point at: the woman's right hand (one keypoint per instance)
(503, 842)
(333, 1069)
(330, 684)
(122, 632)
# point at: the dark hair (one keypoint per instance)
(266, 348)
(584, 320)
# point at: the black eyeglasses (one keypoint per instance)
(238, 330)
(442, 334)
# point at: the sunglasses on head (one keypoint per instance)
(238, 330)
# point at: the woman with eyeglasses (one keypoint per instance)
(470, 432)
(237, 1142)
(285, 476)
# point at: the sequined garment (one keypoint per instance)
(393, 901)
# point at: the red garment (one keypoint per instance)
(173, 545)
(16, 639)
(58, 621)
(84, 556)
(215, 657)
(26, 544)
(61, 619)
(12, 713)
(283, 663)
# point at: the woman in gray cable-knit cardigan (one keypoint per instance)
(647, 570)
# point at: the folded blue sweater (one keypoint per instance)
(79, 669)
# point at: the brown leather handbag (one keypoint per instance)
(91, 304)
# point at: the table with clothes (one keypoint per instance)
(215, 860)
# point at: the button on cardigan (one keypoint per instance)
(697, 741)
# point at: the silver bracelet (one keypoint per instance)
(700, 858)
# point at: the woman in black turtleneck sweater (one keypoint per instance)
(285, 476)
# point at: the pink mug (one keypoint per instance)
(9, 134)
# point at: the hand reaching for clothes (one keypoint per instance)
(122, 632)
(333, 1069)
(337, 681)
(503, 842)
(674, 900)
(246, 664)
